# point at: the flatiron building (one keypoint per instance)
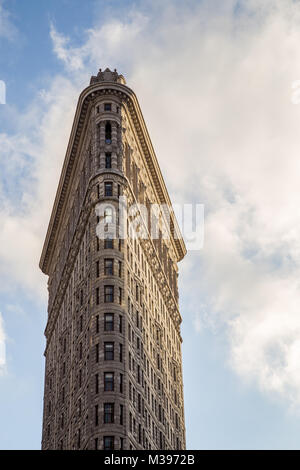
(113, 372)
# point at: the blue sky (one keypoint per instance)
(214, 80)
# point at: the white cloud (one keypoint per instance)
(2, 347)
(214, 81)
(7, 28)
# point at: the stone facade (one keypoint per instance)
(113, 377)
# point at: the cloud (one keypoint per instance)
(7, 28)
(215, 86)
(2, 347)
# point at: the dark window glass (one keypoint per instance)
(108, 412)
(108, 381)
(109, 267)
(97, 383)
(96, 415)
(108, 243)
(108, 189)
(108, 160)
(108, 322)
(108, 293)
(108, 133)
(121, 414)
(107, 106)
(108, 442)
(108, 351)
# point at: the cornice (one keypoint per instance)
(79, 123)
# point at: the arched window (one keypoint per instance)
(108, 133)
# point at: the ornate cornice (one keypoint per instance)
(97, 88)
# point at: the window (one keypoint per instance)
(108, 133)
(121, 352)
(121, 414)
(97, 269)
(120, 268)
(108, 189)
(96, 443)
(121, 383)
(120, 295)
(108, 413)
(108, 351)
(108, 442)
(97, 324)
(97, 296)
(108, 215)
(96, 416)
(109, 267)
(97, 352)
(96, 383)
(108, 293)
(107, 106)
(108, 243)
(120, 324)
(108, 322)
(108, 160)
(108, 381)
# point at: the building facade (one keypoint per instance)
(113, 374)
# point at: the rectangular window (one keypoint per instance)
(97, 296)
(120, 268)
(96, 416)
(108, 381)
(96, 383)
(108, 293)
(120, 324)
(108, 413)
(120, 295)
(121, 383)
(121, 352)
(97, 352)
(107, 106)
(108, 160)
(97, 324)
(121, 414)
(109, 267)
(108, 322)
(108, 443)
(108, 243)
(108, 189)
(97, 269)
(108, 351)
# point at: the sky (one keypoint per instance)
(217, 81)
